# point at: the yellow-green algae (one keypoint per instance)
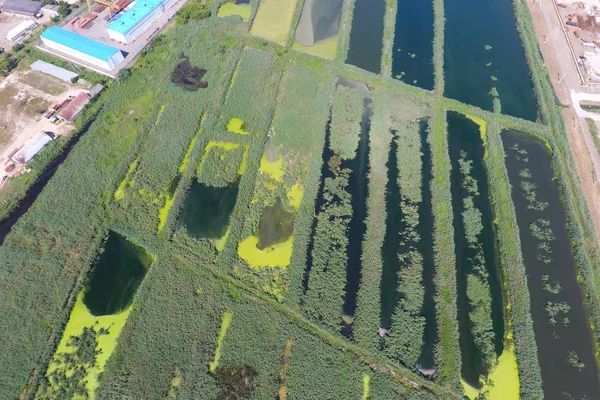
(127, 181)
(225, 322)
(220, 243)
(366, 386)
(274, 169)
(224, 146)
(79, 319)
(324, 48)
(278, 255)
(236, 125)
(294, 196)
(273, 20)
(230, 8)
(482, 130)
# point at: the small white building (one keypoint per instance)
(81, 48)
(20, 31)
(51, 69)
(132, 23)
(31, 148)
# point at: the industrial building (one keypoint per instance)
(129, 25)
(31, 148)
(23, 8)
(74, 107)
(20, 31)
(55, 71)
(81, 48)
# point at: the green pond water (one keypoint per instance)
(464, 137)
(276, 225)
(560, 379)
(206, 211)
(366, 36)
(116, 276)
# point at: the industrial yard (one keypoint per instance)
(26, 97)
(119, 29)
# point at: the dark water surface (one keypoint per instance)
(412, 56)
(116, 277)
(206, 211)
(358, 188)
(366, 36)
(470, 26)
(464, 136)
(553, 341)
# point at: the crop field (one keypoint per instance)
(265, 224)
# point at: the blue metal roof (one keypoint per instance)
(80, 43)
(131, 18)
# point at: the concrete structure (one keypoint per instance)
(132, 23)
(95, 91)
(75, 46)
(31, 148)
(20, 31)
(50, 11)
(72, 109)
(53, 70)
(25, 8)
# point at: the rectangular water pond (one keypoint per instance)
(412, 57)
(207, 209)
(562, 332)
(479, 294)
(366, 36)
(483, 54)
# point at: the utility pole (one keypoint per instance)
(548, 37)
(560, 79)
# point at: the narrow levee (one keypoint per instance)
(484, 58)
(366, 36)
(562, 332)
(412, 58)
(479, 290)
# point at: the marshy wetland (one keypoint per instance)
(288, 214)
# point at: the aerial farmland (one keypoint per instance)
(312, 199)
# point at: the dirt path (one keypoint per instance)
(549, 30)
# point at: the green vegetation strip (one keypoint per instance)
(448, 352)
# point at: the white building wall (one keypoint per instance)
(110, 64)
(139, 28)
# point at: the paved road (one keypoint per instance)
(570, 78)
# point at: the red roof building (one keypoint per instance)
(69, 113)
